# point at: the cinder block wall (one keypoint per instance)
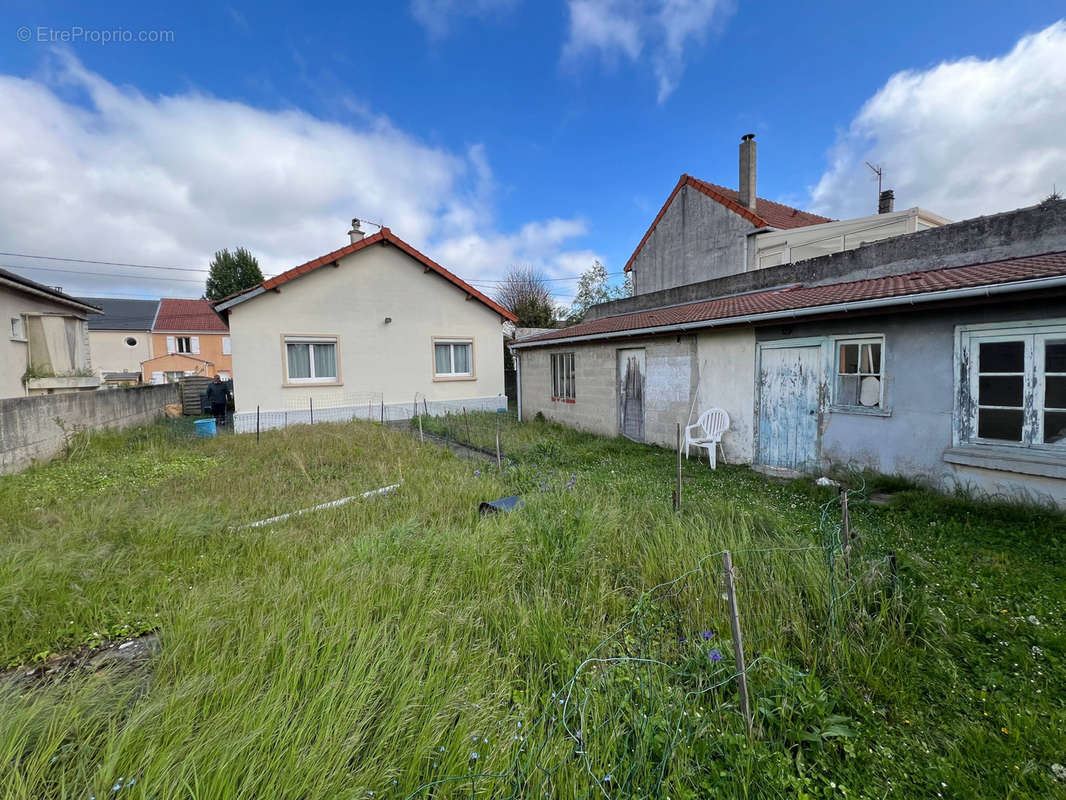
(34, 428)
(670, 363)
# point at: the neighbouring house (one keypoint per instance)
(45, 341)
(939, 353)
(120, 339)
(188, 338)
(373, 327)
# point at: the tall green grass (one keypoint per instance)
(376, 647)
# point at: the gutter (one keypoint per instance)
(1058, 281)
(518, 380)
(258, 290)
(53, 296)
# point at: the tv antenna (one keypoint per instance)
(877, 171)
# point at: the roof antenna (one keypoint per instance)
(877, 171)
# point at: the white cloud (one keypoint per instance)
(436, 15)
(962, 139)
(660, 29)
(95, 171)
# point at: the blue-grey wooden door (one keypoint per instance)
(789, 386)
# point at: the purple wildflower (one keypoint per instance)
(707, 635)
(715, 655)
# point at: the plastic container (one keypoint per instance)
(205, 427)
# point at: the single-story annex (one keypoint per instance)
(372, 329)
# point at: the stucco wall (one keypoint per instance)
(351, 301)
(697, 239)
(110, 353)
(919, 394)
(30, 427)
(670, 366)
(727, 380)
(13, 353)
(210, 351)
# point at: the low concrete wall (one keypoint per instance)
(34, 428)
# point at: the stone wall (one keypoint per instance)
(36, 428)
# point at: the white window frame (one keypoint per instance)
(1034, 335)
(178, 345)
(311, 341)
(835, 372)
(453, 375)
(563, 377)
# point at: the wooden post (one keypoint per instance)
(382, 410)
(845, 531)
(677, 501)
(257, 424)
(425, 406)
(499, 461)
(466, 419)
(311, 405)
(369, 410)
(421, 436)
(738, 645)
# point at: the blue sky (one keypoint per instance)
(493, 132)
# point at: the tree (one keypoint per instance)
(524, 292)
(231, 273)
(592, 288)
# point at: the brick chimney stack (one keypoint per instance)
(747, 171)
(886, 201)
(355, 234)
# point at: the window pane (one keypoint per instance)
(299, 360)
(461, 354)
(1000, 390)
(1002, 357)
(875, 358)
(442, 354)
(1054, 392)
(325, 360)
(847, 390)
(993, 423)
(849, 358)
(1055, 357)
(1054, 427)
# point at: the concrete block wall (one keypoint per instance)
(36, 428)
(670, 365)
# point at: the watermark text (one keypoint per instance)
(76, 34)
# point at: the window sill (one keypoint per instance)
(440, 378)
(860, 411)
(298, 384)
(1008, 459)
(563, 400)
(17, 339)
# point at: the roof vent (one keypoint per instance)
(747, 171)
(355, 234)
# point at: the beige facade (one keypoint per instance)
(119, 351)
(719, 363)
(44, 337)
(384, 312)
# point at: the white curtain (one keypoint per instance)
(299, 360)
(443, 356)
(462, 357)
(325, 360)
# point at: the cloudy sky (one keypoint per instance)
(492, 133)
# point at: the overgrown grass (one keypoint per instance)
(377, 646)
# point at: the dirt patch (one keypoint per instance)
(119, 655)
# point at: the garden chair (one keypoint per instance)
(707, 433)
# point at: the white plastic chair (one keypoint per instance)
(707, 433)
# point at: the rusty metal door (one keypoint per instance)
(790, 381)
(631, 393)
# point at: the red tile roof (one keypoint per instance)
(387, 236)
(188, 315)
(790, 298)
(767, 214)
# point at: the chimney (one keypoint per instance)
(747, 171)
(886, 201)
(355, 234)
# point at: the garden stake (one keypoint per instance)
(425, 406)
(499, 461)
(677, 501)
(466, 419)
(421, 436)
(738, 645)
(311, 406)
(257, 424)
(845, 531)
(382, 410)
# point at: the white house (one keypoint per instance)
(373, 328)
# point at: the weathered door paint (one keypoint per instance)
(631, 393)
(789, 384)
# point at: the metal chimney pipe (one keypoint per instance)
(355, 234)
(886, 201)
(747, 171)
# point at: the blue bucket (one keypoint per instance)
(205, 427)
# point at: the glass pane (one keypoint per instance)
(572, 393)
(442, 355)
(1054, 392)
(325, 360)
(1054, 427)
(299, 361)
(1055, 357)
(461, 353)
(870, 363)
(849, 358)
(848, 390)
(1002, 357)
(995, 423)
(1000, 390)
